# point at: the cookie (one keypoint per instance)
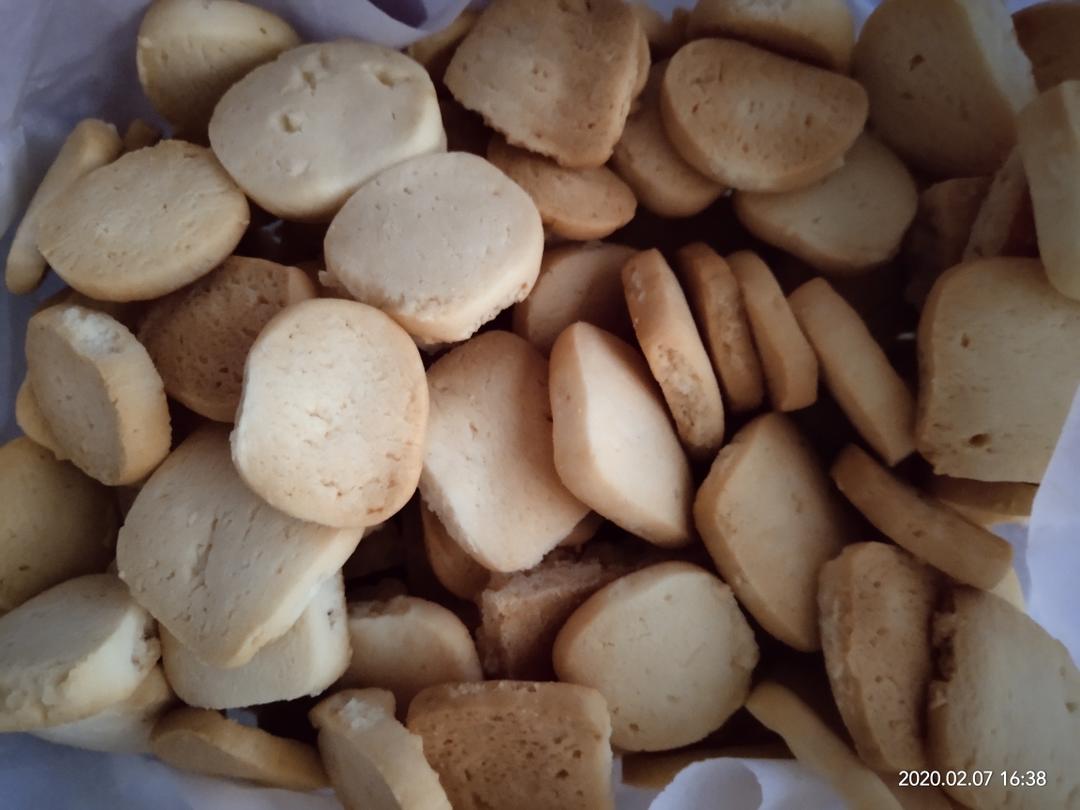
(1004, 225)
(668, 649)
(209, 744)
(554, 78)
(71, 652)
(199, 337)
(90, 145)
(441, 243)
(669, 338)
(615, 447)
(435, 50)
(577, 204)
(787, 358)
(306, 660)
(856, 371)
(55, 522)
(795, 138)
(331, 421)
(770, 520)
(99, 393)
(1047, 32)
(876, 601)
(847, 223)
(224, 572)
(531, 746)
(1003, 698)
(661, 180)
(713, 293)
(405, 645)
(455, 570)
(664, 34)
(302, 133)
(31, 421)
(373, 761)
(985, 502)
(946, 79)
(139, 135)
(821, 31)
(992, 332)
(927, 528)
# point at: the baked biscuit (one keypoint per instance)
(455, 570)
(1047, 32)
(1004, 225)
(985, 502)
(31, 420)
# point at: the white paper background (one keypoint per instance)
(62, 60)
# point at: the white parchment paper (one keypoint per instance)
(62, 60)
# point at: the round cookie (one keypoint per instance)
(615, 446)
(302, 133)
(200, 336)
(798, 136)
(576, 204)
(331, 423)
(489, 474)
(99, 393)
(441, 243)
(189, 52)
(144, 225)
(31, 421)
(456, 571)
(669, 338)
(668, 649)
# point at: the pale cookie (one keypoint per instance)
(455, 570)
(441, 243)
(71, 652)
(99, 392)
(55, 523)
(927, 528)
(374, 762)
(847, 223)
(1048, 32)
(308, 659)
(331, 423)
(787, 358)
(31, 420)
(992, 332)
(876, 601)
(770, 520)
(209, 744)
(1004, 224)
(714, 296)
(798, 132)
(819, 748)
(946, 79)
(661, 180)
(90, 145)
(576, 204)
(668, 649)
(856, 371)
(615, 446)
(302, 133)
(124, 727)
(436, 50)
(1005, 699)
(531, 746)
(553, 77)
(139, 135)
(489, 473)
(985, 502)
(224, 572)
(819, 31)
(576, 283)
(669, 338)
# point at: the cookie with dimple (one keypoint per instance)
(615, 446)
(992, 332)
(333, 413)
(797, 137)
(99, 392)
(556, 78)
(577, 204)
(189, 52)
(31, 420)
(441, 243)
(770, 520)
(146, 224)
(222, 570)
(302, 133)
(669, 338)
(200, 336)
(849, 222)
(489, 474)
(452, 566)
(946, 79)
(1047, 33)
(669, 650)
